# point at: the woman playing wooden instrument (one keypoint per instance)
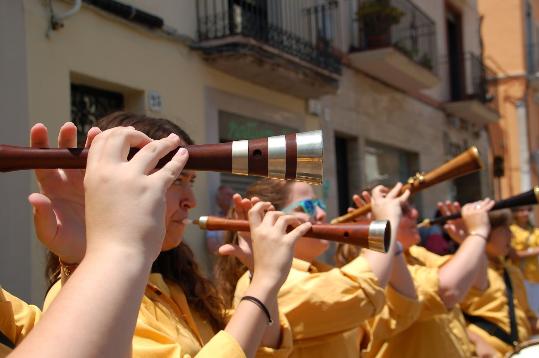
(441, 282)
(181, 311)
(499, 314)
(325, 306)
(120, 192)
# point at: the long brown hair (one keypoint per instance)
(228, 270)
(177, 265)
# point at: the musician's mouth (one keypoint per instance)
(179, 220)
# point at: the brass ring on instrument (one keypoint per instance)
(536, 192)
(203, 222)
(310, 150)
(475, 153)
(240, 157)
(379, 238)
(417, 179)
(277, 157)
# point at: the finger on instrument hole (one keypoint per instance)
(256, 214)
(173, 168)
(283, 222)
(120, 140)
(299, 231)
(271, 217)
(148, 156)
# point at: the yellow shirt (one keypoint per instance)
(397, 315)
(326, 306)
(17, 318)
(437, 331)
(492, 305)
(166, 327)
(522, 240)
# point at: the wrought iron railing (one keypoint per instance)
(394, 23)
(301, 28)
(469, 78)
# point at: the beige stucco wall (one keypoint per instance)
(15, 214)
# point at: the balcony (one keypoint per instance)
(395, 41)
(285, 45)
(473, 90)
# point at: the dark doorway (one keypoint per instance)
(468, 188)
(342, 160)
(249, 17)
(455, 57)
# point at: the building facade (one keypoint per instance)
(510, 35)
(392, 100)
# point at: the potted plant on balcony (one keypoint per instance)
(376, 18)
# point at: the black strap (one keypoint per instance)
(492, 328)
(6, 341)
(511, 304)
(489, 327)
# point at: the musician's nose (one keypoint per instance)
(188, 201)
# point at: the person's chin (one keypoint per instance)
(173, 239)
(170, 244)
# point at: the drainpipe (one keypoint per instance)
(57, 20)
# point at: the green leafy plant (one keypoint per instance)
(377, 17)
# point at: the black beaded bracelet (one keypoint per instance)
(259, 303)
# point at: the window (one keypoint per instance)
(88, 104)
(455, 50)
(388, 165)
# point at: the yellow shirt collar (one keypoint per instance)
(176, 300)
(157, 280)
(306, 266)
